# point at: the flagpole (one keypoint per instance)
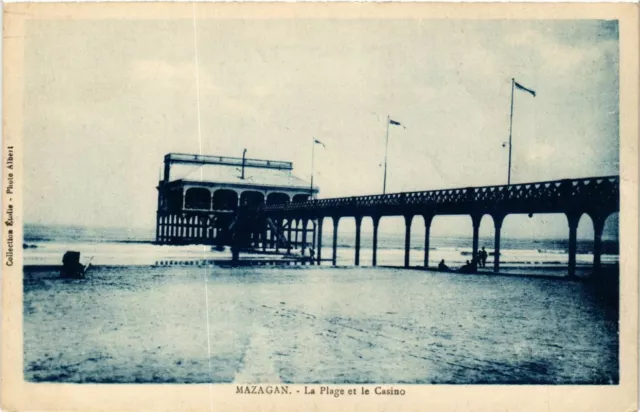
(386, 148)
(510, 130)
(313, 155)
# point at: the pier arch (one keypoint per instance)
(451, 240)
(329, 228)
(489, 231)
(611, 225)
(541, 238)
(414, 249)
(606, 242)
(320, 237)
(347, 250)
(308, 237)
(390, 241)
(366, 241)
(585, 239)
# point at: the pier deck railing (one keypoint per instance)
(537, 197)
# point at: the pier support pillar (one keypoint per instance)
(407, 239)
(313, 240)
(427, 229)
(289, 228)
(598, 228)
(376, 222)
(358, 226)
(573, 219)
(294, 234)
(157, 227)
(264, 236)
(497, 223)
(319, 243)
(304, 236)
(278, 233)
(475, 220)
(334, 258)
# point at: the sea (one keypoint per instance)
(46, 244)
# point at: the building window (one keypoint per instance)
(300, 198)
(251, 198)
(276, 198)
(197, 198)
(174, 200)
(224, 199)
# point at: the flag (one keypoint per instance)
(319, 142)
(521, 87)
(393, 122)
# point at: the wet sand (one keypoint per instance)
(315, 325)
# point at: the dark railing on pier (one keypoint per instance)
(596, 196)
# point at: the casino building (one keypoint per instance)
(200, 197)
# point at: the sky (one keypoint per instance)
(105, 100)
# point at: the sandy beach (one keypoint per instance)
(314, 325)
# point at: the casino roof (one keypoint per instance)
(231, 174)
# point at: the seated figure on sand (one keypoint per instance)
(71, 266)
(470, 267)
(442, 267)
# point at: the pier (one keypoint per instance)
(598, 197)
(259, 205)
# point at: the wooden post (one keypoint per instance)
(407, 239)
(358, 225)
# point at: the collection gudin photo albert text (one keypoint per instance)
(9, 208)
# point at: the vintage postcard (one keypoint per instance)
(320, 206)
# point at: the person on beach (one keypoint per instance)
(312, 253)
(442, 267)
(469, 267)
(483, 257)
